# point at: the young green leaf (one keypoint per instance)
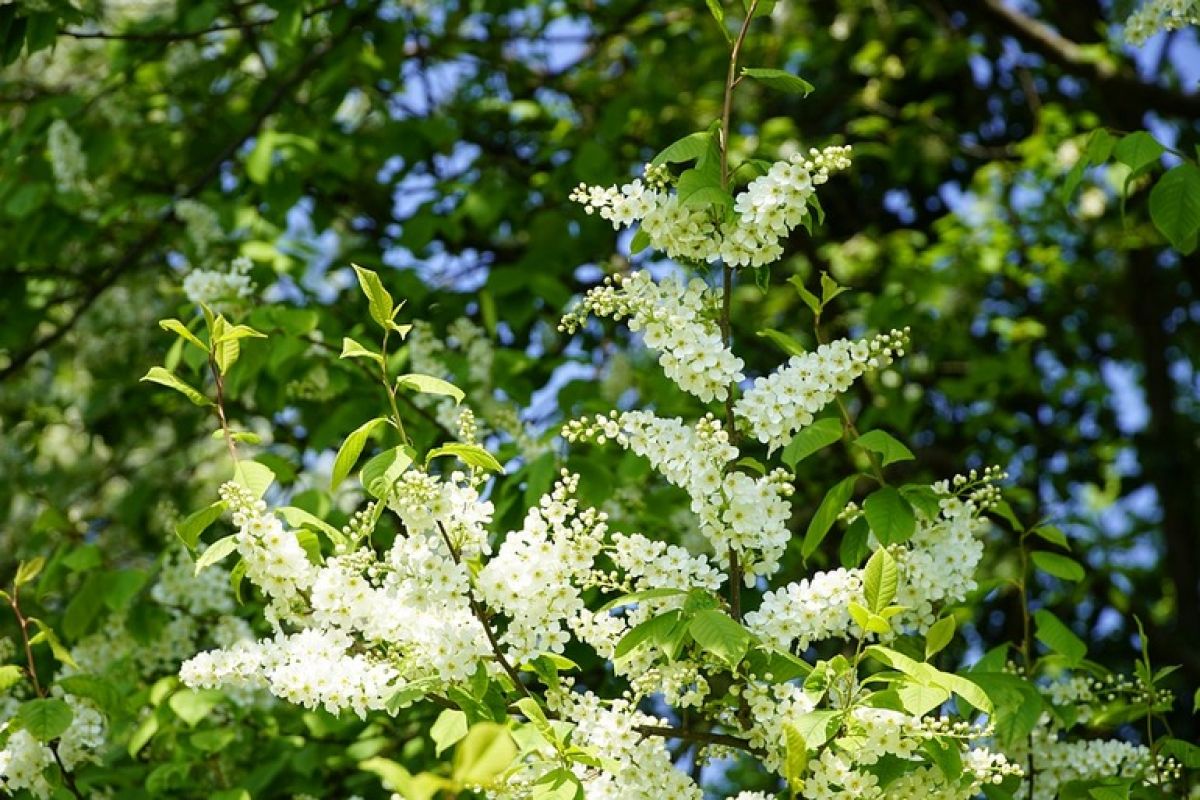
(379, 303)
(352, 349)
(177, 327)
(215, 552)
(1175, 206)
(428, 384)
(689, 148)
(448, 729)
(255, 476)
(380, 474)
(170, 380)
(470, 454)
(350, 450)
(940, 634)
(796, 761)
(880, 580)
(190, 528)
(780, 80)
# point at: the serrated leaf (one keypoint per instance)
(889, 448)
(350, 450)
(940, 634)
(1175, 206)
(470, 454)
(647, 631)
(720, 635)
(881, 578)
(299, 518)
(45, 718)
(427, 384)
(379, 303)
(162, 377)
(1054, 633)
(890, 516)
(779, 80)
(194, 524)
(1060, 566)
(1138, 151)
(827, 513)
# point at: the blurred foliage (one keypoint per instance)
(438, 142)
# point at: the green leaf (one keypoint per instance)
(1018, 704)
(10, 676)
(215, 552)
(171, 381)
(689, 148)
(890, 516)
(28, 570)
(880, 580)
(1054, 633)
(177, 327)
(813, 727)
(778, 79)
(255, 477)
(786, 343)
(379, 302)
(887, 446)
(380, 474)
(484, 754)
(449, 728)
(821, 433)
(470, 454)
(810, 299)
(427, 384)
(720, 635)
(638, 597)
(1138, 151)
(796, 762)
(46, 718)
(350, 450)
(855, 546)
(190, 528)
(57, 649)
(299, 518)
(98, 690)
(1052, 535)
(352, 349)
(827, 513)
(1060, 566)
(192, 705)
(1175, 206)
(940, 634)
(649, 631)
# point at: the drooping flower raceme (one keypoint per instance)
(675, 318)
(1153, 16)
(217, 288)
(770, 207)
(785, 401)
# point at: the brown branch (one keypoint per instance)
(1077, 59)
(179, 36)
(706, 737)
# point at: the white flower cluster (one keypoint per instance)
(275, 560)
(763, 214)
(735, 510)
(1153, 16)
(782, 403)
(313, 668)
(630, 765)
(66, 157)
(24, 759)
(677, 319)
(534, 579)
(203, 224)
(1058, 761)
(433, 507)
(936, 566)
(218, 289)
(872, 733)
